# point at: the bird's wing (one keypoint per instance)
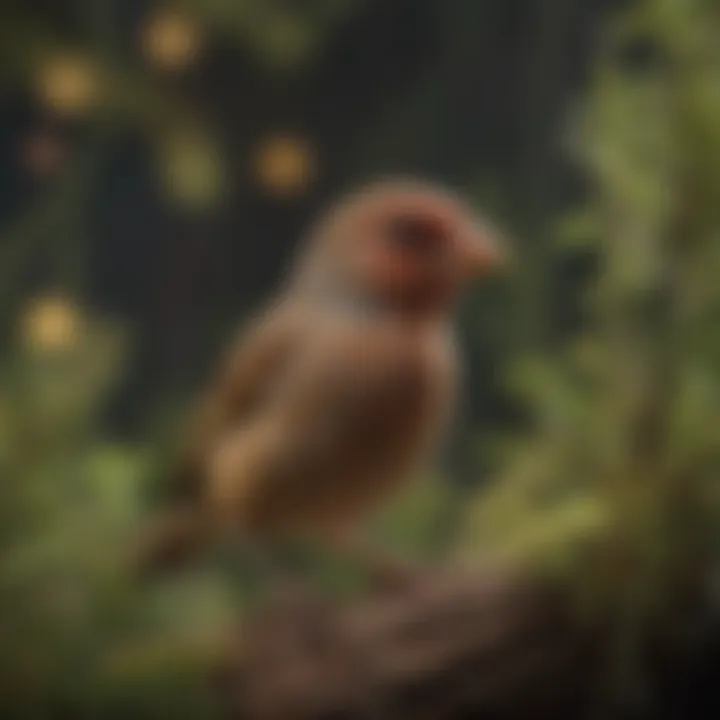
(354, 404)
(253, 365)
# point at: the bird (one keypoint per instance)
(338, 391)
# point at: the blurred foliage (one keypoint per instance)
(77, 636)
(625, 447)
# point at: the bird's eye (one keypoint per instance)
(416, 233)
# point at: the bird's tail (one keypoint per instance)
(171, 541)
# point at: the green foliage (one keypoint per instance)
(76, 633)
(409, 525)
(618, 477)
(626, 413)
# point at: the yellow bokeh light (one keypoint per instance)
(51, 323)
(68, 84)
(171, 40)
(285, 165)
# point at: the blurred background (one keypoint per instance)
(159, 163)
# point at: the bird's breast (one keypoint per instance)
(395, 403)
(379, 407)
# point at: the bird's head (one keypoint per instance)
(404, 245)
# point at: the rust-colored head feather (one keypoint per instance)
(402, 243)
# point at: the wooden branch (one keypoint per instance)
(480, 644)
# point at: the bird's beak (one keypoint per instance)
(485, 253)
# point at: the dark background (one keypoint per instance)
(475, 95)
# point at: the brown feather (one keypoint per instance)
(338, 392)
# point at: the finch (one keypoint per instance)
(342, 387)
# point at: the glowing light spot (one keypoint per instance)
(171, 40)
(51, 323)
(285, 165)
(67, 84)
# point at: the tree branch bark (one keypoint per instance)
(480, 644)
